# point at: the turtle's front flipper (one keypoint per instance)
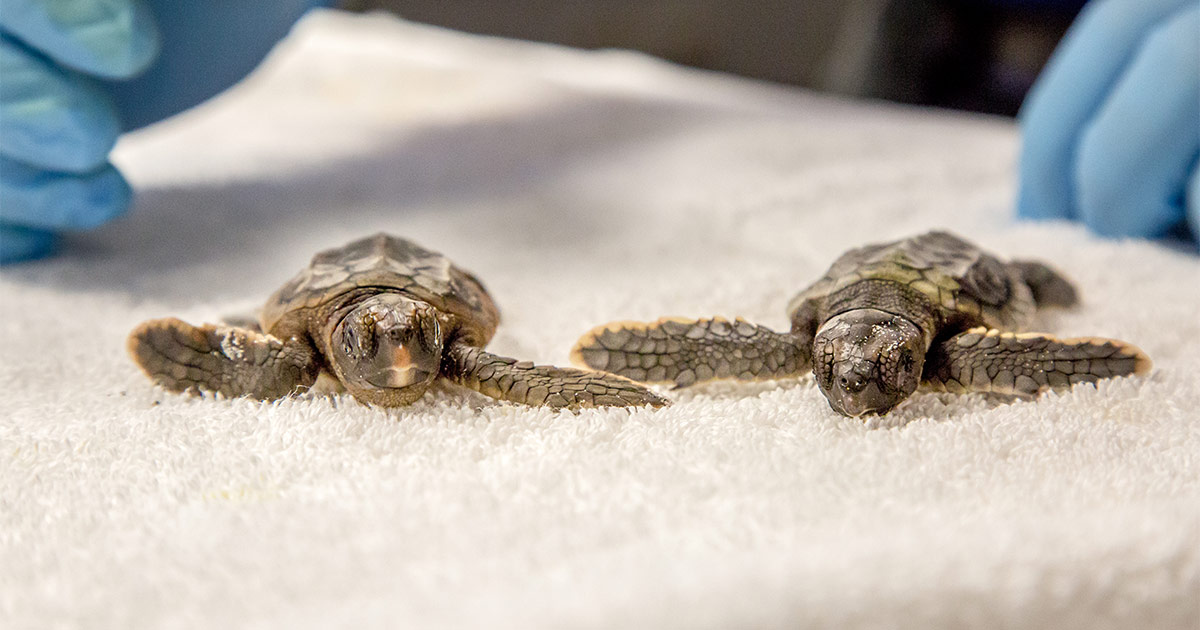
(529, 384)
(222, 359)
(684, 352)
(1049, 287)
(985, 360)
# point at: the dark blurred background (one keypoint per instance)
(977, 55)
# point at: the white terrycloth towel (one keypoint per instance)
(581, 187)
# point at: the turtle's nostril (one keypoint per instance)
(853, 378)
(853, 383)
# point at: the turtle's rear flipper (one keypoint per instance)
(222, 359)
(529, 384)
(684, 352)
(1049, 287)
(982, 360)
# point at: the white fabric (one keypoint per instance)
(582, 187)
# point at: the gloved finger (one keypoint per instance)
(190, 68)
(50, 116)
(20, 243)
(1074, 83)
(1136, 154)
(1192, 201)
(55, 201)
(107, 38)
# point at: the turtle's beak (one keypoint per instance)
(401, 371)
(867, 400)
(399, 377)
(856, 391)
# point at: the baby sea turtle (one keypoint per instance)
(930, 309)
(384, 317)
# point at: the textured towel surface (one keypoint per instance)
(581, 187)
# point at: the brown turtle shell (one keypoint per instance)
(387, 262)
(961, 282)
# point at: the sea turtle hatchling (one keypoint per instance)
(383, 316)
(930, 309)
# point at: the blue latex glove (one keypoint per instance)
(74, 74)
(1112, 127)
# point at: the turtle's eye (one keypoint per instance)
(358, 340)
(431, 334)
(349, 341)
(906, 360)
(366, 341)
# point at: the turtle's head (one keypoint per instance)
(387, 349)
(868, 361)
